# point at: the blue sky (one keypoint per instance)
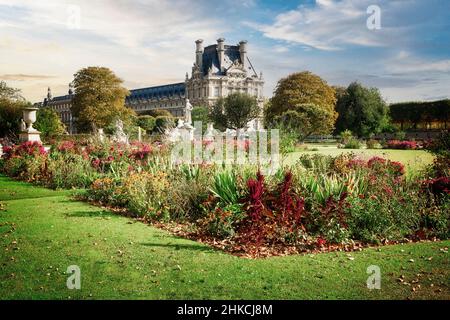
(151, 42)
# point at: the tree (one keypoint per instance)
(147, 123)
(304, 120)
(361, 110)
(234, 111)
(157, 113)
(49, 123)
(304, 89)
(201, 113)
(10, 93)
(11, 105)
(99, 97)
(162, 123)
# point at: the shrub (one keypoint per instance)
(147, 194)
(190, 188)
(70, 170)
(330, 221)
(352, 143)
(316, 162)
(374, 218)
(105, 191)
(345, 136)
(373, 144)
(403, 145)
(437, 186)
(440, 147)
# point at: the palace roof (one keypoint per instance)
(158, 92)
(211, 58)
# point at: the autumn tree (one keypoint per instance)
(234, 111)
(99, 98)
(309, 98)
(361, 110)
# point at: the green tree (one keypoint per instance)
(11, 105)
(201, 113)
(157, 113)
(99, 98)
(162, 123)
(234, 111)
(304, 89)
(304, 120)
(147, 123)
(10, 93)
(49, 123)
(361, 110)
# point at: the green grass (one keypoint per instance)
(412, 159)
(42, 232)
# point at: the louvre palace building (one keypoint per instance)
(218, 70)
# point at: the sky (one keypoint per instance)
(152, 42)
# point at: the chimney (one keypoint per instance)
(221, 52)
(243, 52)
(199, 53)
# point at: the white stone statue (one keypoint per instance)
(173, 134)
(101, 135)
(210, 132)
(23, 126)
(119, 135)
(188, 115)
(180, 123)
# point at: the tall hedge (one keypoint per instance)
(415, 114)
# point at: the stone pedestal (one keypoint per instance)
(30, 136)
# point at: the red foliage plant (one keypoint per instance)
(142, 152)
(271, 214)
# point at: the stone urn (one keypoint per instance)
(29, 133)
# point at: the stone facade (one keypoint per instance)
(62, 105)
(218, 70)
(171, 97)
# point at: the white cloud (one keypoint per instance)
(145, 42)
(330, 25)
(405, 63)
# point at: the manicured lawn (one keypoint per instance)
(412, 159)
(42, 232)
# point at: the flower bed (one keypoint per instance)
(320, 203)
